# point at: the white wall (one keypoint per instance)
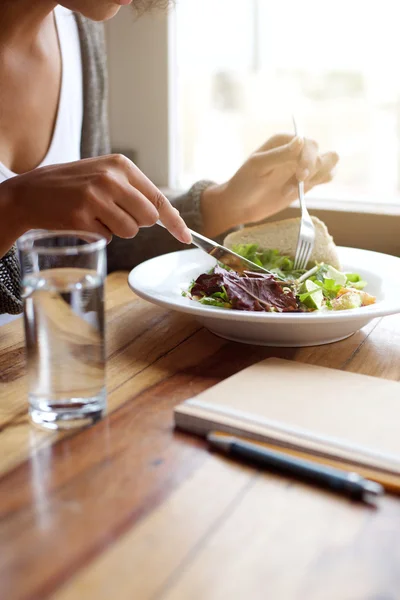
(140, 54)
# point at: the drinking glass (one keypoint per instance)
(63, 275)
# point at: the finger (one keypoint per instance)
(309, 185)
(119, 221)
(133, 202)
(325, 175)
(326, 163)
(279, 139)
(326, 178)
(265, 161)
(325, 171)
(290, 189)
(168, 215)
(308, 160)
(101, 229)
(293, 194)
(171, 219)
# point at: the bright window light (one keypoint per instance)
(244, 66)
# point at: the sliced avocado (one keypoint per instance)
(338, 277)
(316, 297)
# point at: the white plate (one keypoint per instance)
(161, 280)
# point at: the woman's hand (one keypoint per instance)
(266, 183)
(107, 195)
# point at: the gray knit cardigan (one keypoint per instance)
(122, 254)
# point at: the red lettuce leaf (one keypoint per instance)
(253, 291)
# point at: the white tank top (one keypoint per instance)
(66, 142)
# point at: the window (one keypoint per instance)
(244, 66)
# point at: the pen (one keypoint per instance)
(336, 480)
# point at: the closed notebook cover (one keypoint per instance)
(350, 417)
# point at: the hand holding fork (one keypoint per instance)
(306, 239)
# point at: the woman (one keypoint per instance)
(53, 115)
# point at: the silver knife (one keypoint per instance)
(225, 256)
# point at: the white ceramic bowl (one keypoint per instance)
(161, 280)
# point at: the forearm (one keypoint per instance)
(7, 240)
(11, 222)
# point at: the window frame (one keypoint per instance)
(143, 107)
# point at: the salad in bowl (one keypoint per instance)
(322, 287)
(330, 301)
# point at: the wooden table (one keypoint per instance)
(129, 510)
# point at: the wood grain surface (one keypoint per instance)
(130, 510)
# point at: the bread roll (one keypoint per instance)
(282, 236)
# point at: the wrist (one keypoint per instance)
(11, 225)
(216, 210)
(12, 209)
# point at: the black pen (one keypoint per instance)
(336, 480)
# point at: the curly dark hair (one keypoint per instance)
(142, 6)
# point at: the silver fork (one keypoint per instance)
(306, 239)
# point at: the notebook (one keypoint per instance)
(351, 418)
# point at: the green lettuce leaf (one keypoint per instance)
(269, 259)
(210, 301)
